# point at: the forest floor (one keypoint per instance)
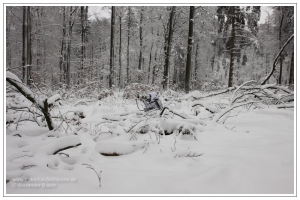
(251, 153)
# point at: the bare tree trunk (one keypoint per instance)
(230, 75)
(196, 63)
(189, 50)
(128, 39)
(112, 55)
(168, 50)
(62, 63)
(280, 45)
(291, 79)
(26, 48)
(38, 39)
(141, 40)
(120, 52)
(69, 39)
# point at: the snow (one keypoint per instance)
(252, 153)
(12, 76)
(54, 98)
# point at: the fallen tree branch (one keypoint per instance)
(216, 93)
(208, 108)
(174, 112)
(232, 107)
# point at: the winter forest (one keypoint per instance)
(150, 100)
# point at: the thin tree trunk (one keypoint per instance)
(230, 74)
(62, 64)
(26, 52)
(68, 54)
(291, 78)
(112, 55)
(189, 50)
(141, 41)
(120, 52)
(280, 44)
(168, 50)
(128, 39)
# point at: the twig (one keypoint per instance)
(98, 175)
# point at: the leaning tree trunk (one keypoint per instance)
(276, 60)
(112, 34)
(168, 50)
(189, 50)
(230, 75)
(26, 47)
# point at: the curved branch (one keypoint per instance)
(276, 59)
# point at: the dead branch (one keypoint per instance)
(232, 107)
(208, 108)
(174, 112)
(276, 59)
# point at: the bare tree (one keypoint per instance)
(26, 47)
(112, 55)
(168, 49)
(189, 50)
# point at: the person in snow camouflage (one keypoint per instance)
(152, 102)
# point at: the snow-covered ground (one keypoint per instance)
(252, 153)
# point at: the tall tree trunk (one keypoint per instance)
(68, 49)
(196, 63)
(38, 40)
(62, 63)
(189, 50)
(168, 50)
(8, 47)
(141, 40)
(26, 47)
(230, 74)
(82, 42)
(141, 44)
(291, 78)
(120, 53)
(128, 39)
(280, 44)
(112, 55)
(150, 60)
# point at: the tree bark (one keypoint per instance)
(120, 52)
(168, 50)
(26, 47)
(128, 45)
(196, 63)
(280, 44)
(230, 74)
(112, 55)
(291, 78)
(141, 40)
(189, 50)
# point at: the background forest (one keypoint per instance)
(67, 48)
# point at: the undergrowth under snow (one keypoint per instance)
(118, 149)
